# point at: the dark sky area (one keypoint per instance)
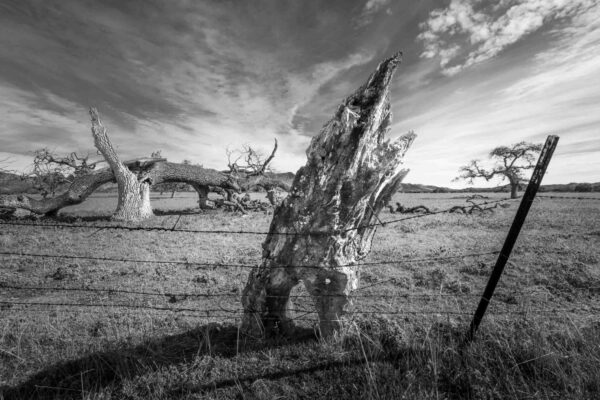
(192, 78)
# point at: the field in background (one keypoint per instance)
(538, 340)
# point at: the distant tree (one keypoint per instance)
(172, 187)
(510, 163)
(583, 187)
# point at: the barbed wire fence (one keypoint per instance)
(221, 312)
(569, 197)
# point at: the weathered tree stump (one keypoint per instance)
(324, 226)
(134, 195)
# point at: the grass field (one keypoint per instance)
(539, 340)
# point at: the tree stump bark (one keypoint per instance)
(324, 226)
(273, 197)
(134, 195)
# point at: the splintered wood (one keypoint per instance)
(324, 226)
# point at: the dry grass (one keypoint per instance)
(415, 351)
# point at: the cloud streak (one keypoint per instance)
(369, 11)
(470, 32)
(191, 78)
(189, 71)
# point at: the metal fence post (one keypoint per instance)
(513, 233)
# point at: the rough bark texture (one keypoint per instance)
(134, 195)
(273, 197)
(351, 173)
(201, 179)
(203, 202)
(162, 172)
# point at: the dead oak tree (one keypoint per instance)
(133, 194)
(250, 168)
(134, 179)
(323, 226)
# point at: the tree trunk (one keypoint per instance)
(164, 172)
(351, 173)
(514, 189)
(134, 195)
(134, 199)
(273, 197)
(203, 202)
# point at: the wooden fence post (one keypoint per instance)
(513, 233)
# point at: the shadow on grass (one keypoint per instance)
(80, 218)
(299, 373)
(102, 369)
(185, 211)
(70, 218)
(107, 218)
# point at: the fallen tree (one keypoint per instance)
(408, 210)
(466, 209)
(79, 189)
(135, 177)
(151, 171)
(473, 206)
(252, 173)
(324, 225)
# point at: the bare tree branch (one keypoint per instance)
(511, 161)
(254, 162)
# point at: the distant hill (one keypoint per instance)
(12, 183)
(287, 177)
(419, 188)
(566, 187)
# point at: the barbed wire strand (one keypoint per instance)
(224, 294)
(239, 265)
(246, 232)
(568, 198)
(241, 311)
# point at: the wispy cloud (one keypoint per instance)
(191, 78)
(469, 32)
(370, 9)
(553, 90)
(571, 62)
(176, 71)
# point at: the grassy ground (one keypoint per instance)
(539, 340)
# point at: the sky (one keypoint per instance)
(195, 78)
